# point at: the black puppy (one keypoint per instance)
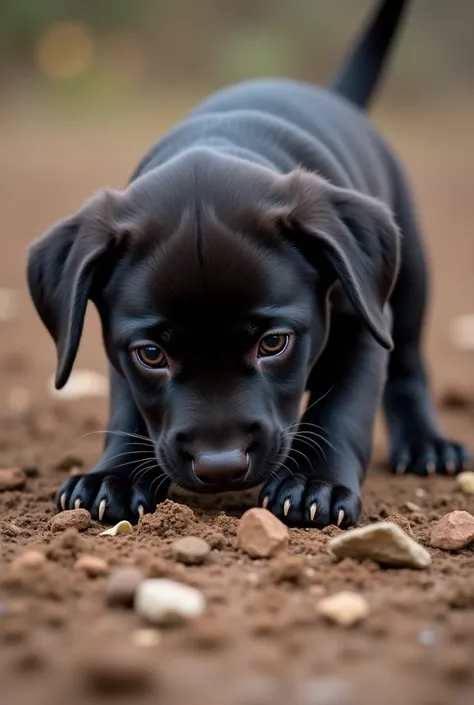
(266, 246)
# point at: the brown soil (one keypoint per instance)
(260, 640)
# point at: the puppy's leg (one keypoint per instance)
(126, 482)
(417, 444)
(319, 483)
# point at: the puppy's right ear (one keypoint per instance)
(63, 266)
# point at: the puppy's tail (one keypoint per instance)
(361, 73)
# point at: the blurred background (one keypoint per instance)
(86, 87)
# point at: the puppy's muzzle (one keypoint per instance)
(222, 467)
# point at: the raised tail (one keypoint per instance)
(361, 72)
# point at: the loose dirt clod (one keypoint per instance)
(123, 527)
(190, 550)
(12, 479)
(261, 534)
(115, 671)
(163, 601)
(465, 481)
(77, 518)
(453, 532)
(29, 560)
(122, 586)
(385, 543)
(93, 566)
(346, 608)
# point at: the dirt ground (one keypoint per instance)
(260, 640)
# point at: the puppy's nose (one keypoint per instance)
(221, 467)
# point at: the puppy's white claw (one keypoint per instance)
(431, 468)
(265, 502)
(62, 501)
(400, 469)
(286, 507)
(102, 507)
(312, 511)
(340, 517)
(140, 511)
(77, 504)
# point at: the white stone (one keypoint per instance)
(162, 601)
(81, 383)
(345, 608)
(465, 481)
(123, 527)
(385, 542)
(462, 332)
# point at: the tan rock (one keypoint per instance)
(12, 479)
(345, 608)
(77, 518)
(385, 543)
(261, 534)
(465, 481)
(453, 532)
(93, 566)
(190, 550)
(122, 586)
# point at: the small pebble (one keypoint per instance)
(453, 532)
(29, 559)
(426, 637)
(412, 507)
(323, 691)
(71, 518)
(146, 638)
(260, 534)
(163, 601)
(31, 471)
(12, 479)
(420, 492)
(81, 383)
(122, 586)
(93, 566)
(123, 527)
(465, 481)
(345, 608)
(384, 543)
(190, 550)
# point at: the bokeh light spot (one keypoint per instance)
(65, 50)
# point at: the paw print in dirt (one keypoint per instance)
(301, 501)
(111, 497)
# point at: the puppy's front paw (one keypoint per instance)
(111, 497)
(301, 501)
(429, 457)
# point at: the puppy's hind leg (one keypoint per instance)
(417, 443)
(126, 482)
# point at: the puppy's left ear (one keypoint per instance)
(355, 234)
(63, 267)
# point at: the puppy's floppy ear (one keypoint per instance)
(356, 234)
(63, 267)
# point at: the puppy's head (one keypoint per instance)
(211, 277)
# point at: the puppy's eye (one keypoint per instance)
(151, 356)
(273, 344)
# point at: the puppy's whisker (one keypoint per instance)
(112, 432)
(311, 443)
